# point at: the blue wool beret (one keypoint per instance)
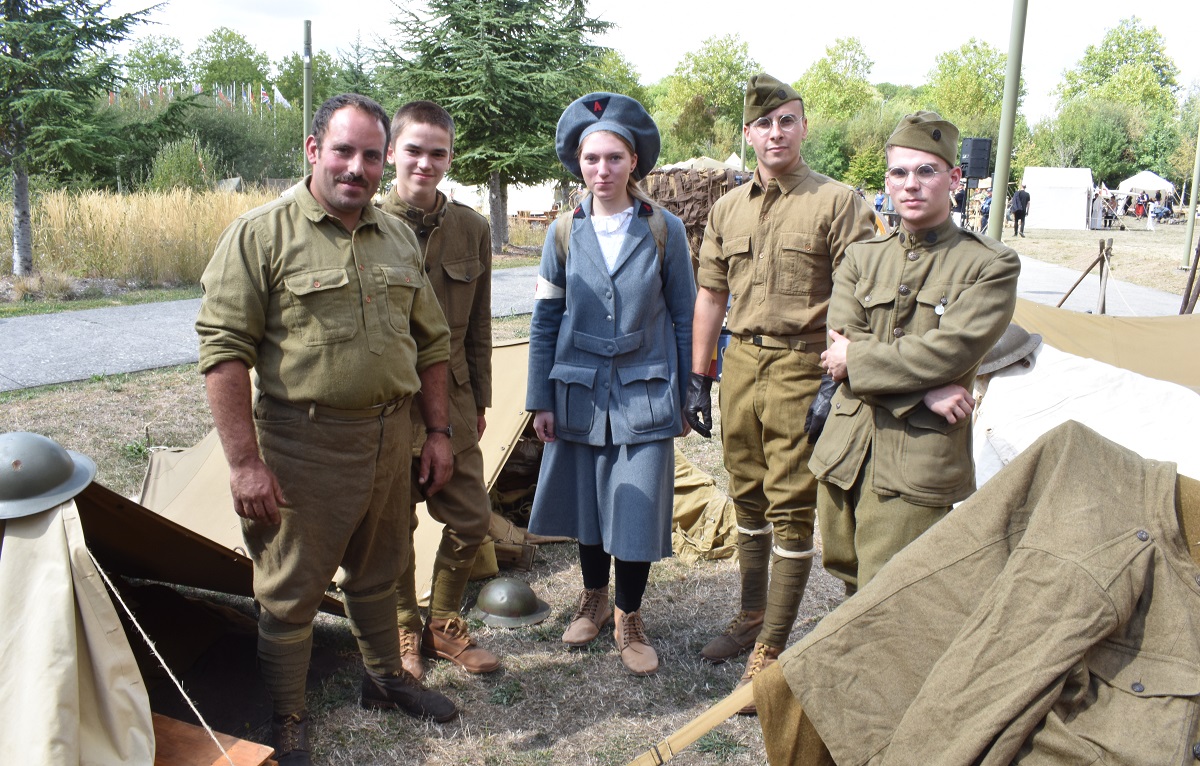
(615, 113)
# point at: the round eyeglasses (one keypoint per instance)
(898, 176)
(786, 122)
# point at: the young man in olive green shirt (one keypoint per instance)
(912, 316)
(456, 244)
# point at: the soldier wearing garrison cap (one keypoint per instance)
(769, 252)
(912, 316)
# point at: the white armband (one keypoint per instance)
(547, 290)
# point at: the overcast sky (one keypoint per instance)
(785, 39)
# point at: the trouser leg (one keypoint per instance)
(463, 507)
(789, 576)
(284, 652)
(408, 611)
(373, 622)
(754, 559)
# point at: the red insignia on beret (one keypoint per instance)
(598, 106)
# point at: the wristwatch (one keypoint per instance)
(448, 430)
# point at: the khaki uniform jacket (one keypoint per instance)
(343, 319)
(773, 247)
(1053, 618)
(920, 312)
(456, 243)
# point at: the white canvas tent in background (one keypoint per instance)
(1146, 181)
(1059, 198)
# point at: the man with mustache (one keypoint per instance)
(326, 299)
(911, 317)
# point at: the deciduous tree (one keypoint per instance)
(836, 85)
(290, 77)
(225, 56)
(968, 83)
(154, 60)
(1130, 42)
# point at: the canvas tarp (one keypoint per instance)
(70, 690)
(1059, 198)
(1158, 347)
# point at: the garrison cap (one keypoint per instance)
(612, 112)
(927, 132)
(1014, 345)
(765, 94)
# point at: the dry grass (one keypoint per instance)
(548, 705)
(1151, 258)
(151, 238)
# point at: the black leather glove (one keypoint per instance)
(697, 411)
(818, 411)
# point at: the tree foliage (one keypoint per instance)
(154, 60)
(707, 86)
(225, 56)
(53, 65)
(836, 85)
(290, 77)
(356, 72)
(968, 83)
(1130, 42)
(505, 69)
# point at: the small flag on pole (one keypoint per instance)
(279, 99)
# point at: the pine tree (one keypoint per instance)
(53, 66)
(505, 69)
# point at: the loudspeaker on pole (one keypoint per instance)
(976, 153)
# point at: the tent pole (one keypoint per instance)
(1008, 113)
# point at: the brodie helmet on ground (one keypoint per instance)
(36, 474)
(507, 602)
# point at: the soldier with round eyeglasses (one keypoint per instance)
(912, 316)
(769, 252)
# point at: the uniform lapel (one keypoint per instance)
(639, 229)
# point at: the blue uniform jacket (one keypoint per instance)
(609, 354)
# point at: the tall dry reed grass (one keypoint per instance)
(151, 238)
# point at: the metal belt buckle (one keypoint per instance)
(757, 340)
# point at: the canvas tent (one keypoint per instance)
(1059, 198)
(1148, 182)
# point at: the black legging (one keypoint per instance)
(631, 576)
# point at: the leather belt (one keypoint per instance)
(793, 342)
(317, 411)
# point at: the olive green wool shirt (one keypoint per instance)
(344, 319)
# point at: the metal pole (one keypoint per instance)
(307, 90)
(1191, 222)
(1008, 115)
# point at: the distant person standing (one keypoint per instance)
(1020, 209)
(879, 197)
(985, 212)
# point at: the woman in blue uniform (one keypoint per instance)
(609, 351)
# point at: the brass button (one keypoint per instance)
(904, 290)
(1137, 687)
(898, 332)
(1143, 535)
(316, 283)
(912, 256)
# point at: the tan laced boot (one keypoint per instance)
(591, 615)
(639, 657)
(410, 653)
(450, 640)
(739, 636)
(761, 658)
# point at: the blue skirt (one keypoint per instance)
(618, 496)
